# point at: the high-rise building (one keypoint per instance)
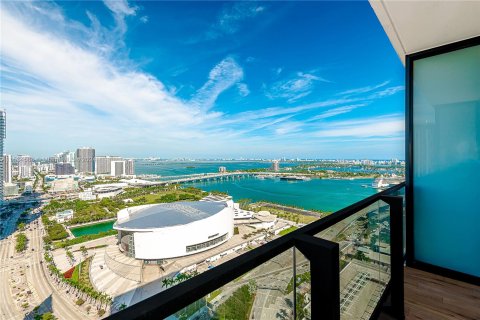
(69, 157)
(275, 165)
(64, 168)
(65, 157)
(103, 164)
(129, 167)
(7, 168)
(117, 168)
(85, 160)
(24, 166)
(3, 135)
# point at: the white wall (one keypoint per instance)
(171, 242)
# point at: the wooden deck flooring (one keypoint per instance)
(432, 297)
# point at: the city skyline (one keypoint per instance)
(133, 81)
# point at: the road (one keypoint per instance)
(27, 269)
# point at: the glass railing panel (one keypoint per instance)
(303, 289)
(262, 293)
(401, 193)
(364, 244)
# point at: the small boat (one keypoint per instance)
(294, 178)
(379, 183)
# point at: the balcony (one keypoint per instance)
(351, 264)
(429, 296)
(346, 266)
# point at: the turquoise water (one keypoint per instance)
(320, 194)
(92, 229)
(174, 168)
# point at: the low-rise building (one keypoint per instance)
(10, 189)
(63, 216)
(28, 187)
(87, 195)
(63, 185)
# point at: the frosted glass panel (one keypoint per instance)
(446, 137)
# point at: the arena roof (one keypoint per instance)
(170, 214)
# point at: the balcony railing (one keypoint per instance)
(340, 267)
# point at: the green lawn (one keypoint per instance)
(301, 278)
(238, 306)
(213, 295)
(287, 231)
(75, 273)
(299, 218)
(80, 274)
(21, 242)
(77, 240)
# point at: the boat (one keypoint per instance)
(379, 183)
(294, 178)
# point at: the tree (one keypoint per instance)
(84, 251)
(244, 203)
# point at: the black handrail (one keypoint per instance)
(167, 302)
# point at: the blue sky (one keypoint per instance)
(200, 79)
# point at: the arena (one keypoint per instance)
(161, 231)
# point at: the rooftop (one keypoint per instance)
(169, 214)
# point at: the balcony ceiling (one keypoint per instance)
(414, 26)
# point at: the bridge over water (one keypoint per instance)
(203, 177)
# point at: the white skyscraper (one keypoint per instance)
(275, 165)
(103, 164)
(7, 168)
(24, 166)
(129, 167)
(117, 168)
(69, 157)
(85, 160)
(3, 135)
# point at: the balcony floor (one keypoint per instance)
(431, 297)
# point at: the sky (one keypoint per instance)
(200, 79)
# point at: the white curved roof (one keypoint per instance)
(170, 214)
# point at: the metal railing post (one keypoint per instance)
(324, 274)
(396, 255)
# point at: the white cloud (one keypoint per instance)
(231, 18)
(63, 85)
(381, 126)
(386, 92)
(293, 88)
(364, 89)
(70, 90)
(288, 127)
(254, 115)
(337, 111)
(223, 76)
(243, 89)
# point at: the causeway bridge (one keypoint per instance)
(203, 177)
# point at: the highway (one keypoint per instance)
(35, 279)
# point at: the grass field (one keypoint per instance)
(287, 231)
(299, 218)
